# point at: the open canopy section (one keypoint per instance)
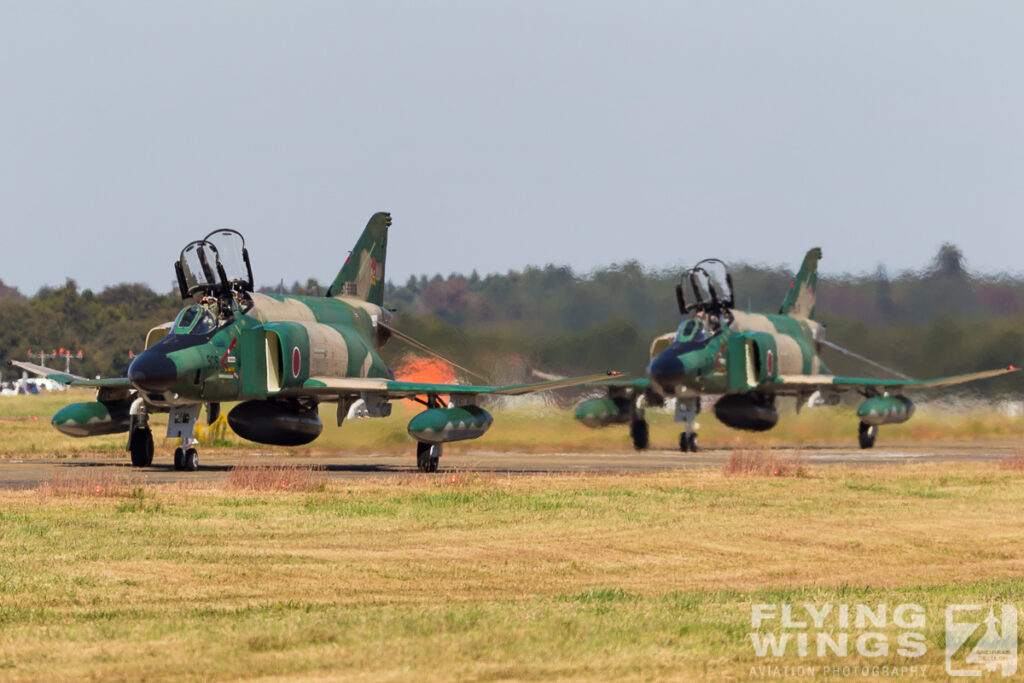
(234, 257)
(197, 269)
(707, 288)
(217, 265)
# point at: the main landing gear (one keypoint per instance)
(140, 437)
(686, 411)
(428, 456)
(638, 430)
(866, 434)
(140, 446)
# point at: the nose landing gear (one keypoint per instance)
(686, 411)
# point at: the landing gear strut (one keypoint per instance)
(428, 456)
(866, 434)
(686, 411)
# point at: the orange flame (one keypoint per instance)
(427, 370)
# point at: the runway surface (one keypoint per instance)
(18, 473)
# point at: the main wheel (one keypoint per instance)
(684, 443)
(866, 435)
(191, 460)
(422, 456)
(428, 457)
(693, 442)
(179, 459)
(639, 432)
(140, 445)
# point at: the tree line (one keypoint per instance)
(937, 321)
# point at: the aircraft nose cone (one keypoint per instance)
(667, 370)
(153, 372)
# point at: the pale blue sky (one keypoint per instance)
(501, 134)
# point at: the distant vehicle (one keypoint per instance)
(750, 359)
(280, 356)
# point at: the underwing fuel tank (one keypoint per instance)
(885, 410)
(601, 412)
(442, 425)
(275, 422)
(747, 411)
(92, 418)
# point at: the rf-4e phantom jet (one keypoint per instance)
(749, 360)
(280, 356)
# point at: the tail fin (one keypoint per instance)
(363, 273)
(799, 301)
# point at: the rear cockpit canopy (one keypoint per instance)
(216, 266)
(706, 290)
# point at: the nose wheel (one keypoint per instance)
(686, 411)
(428, 456)
(688, 442)
(186, 459)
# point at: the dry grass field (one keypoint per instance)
(277, 573)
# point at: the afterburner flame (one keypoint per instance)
(428, 370)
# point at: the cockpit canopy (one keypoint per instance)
(195, 320)
(707, 287)
(693, 330)
(217, 265)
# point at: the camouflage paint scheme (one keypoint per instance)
(748, 359)
(281, 356)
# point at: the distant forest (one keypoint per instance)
(943, 320)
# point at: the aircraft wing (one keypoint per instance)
(68, 378)
(824, 381)
(622, 382)
(341, 386)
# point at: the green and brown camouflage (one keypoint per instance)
(278, 356)
(747, 360)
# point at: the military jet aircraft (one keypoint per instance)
(280, 356)
(750, 359)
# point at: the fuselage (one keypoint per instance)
(266, 344)
(754, 347)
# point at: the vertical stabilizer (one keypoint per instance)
(803, 289)
(363, 273)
